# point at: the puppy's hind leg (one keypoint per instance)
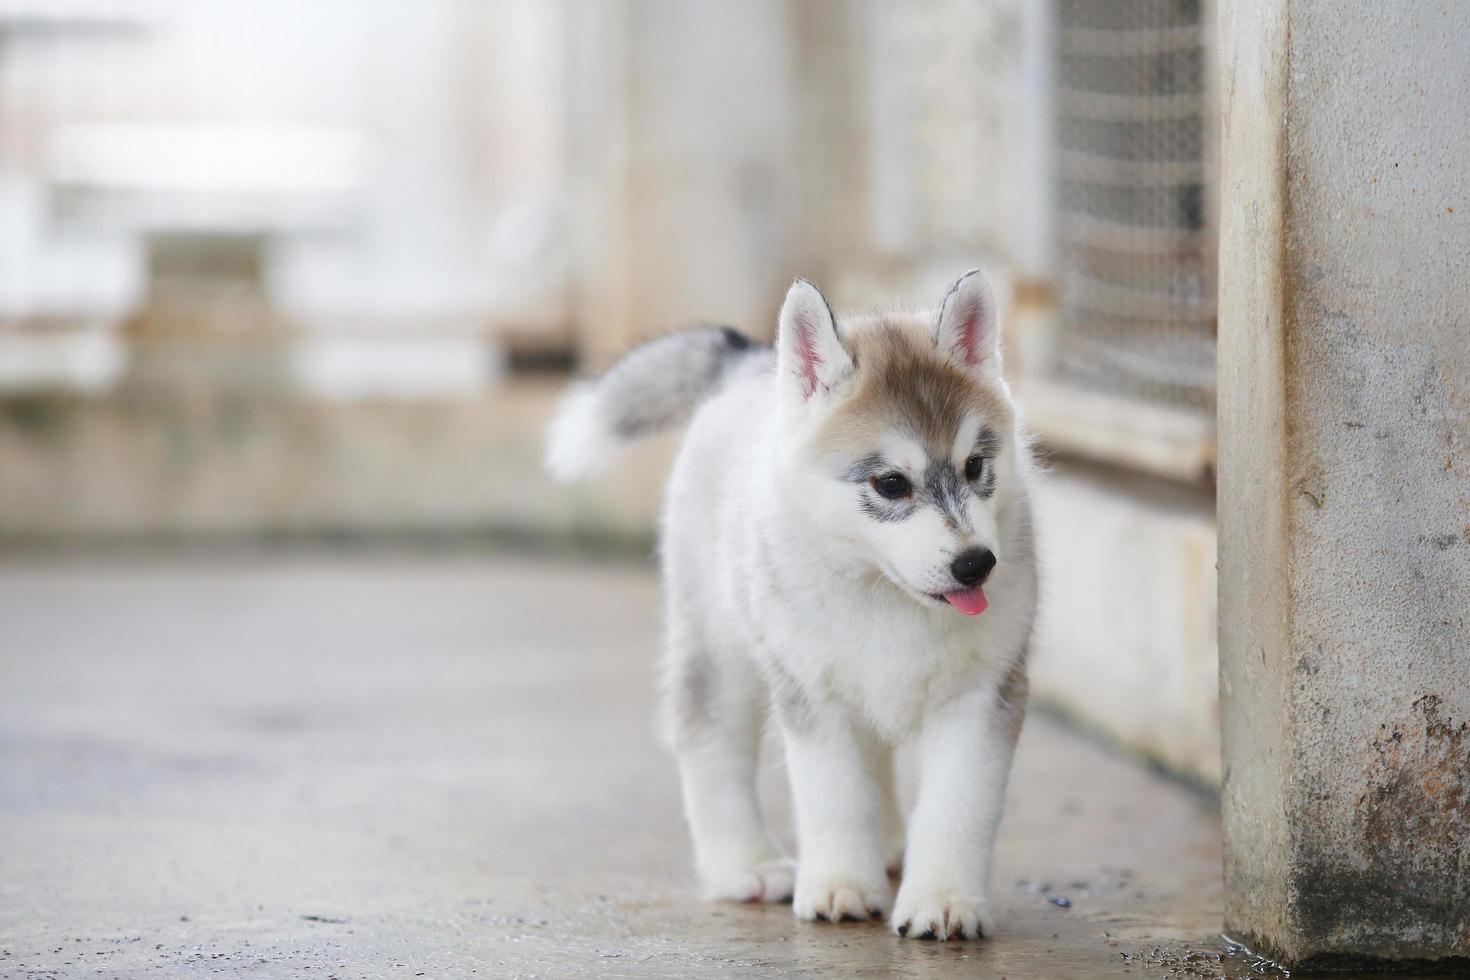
(716, 707)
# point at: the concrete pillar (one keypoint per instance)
(684, 155)
(1344, 494)
(832, 43)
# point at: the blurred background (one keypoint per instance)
(275, 270)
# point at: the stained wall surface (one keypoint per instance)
(1344, 478)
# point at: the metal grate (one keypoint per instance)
(1138, 290)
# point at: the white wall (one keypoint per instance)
(1125, 638)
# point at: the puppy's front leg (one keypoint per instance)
(965, 752)
(837, 795)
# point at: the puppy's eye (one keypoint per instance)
(973, 466)
(894, 486)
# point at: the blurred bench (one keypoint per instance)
(208, 202)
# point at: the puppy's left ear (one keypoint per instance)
(968, 327)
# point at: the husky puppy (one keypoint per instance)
(847, 536)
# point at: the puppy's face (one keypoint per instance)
(905, 452)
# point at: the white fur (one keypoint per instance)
(579, 442)
(774, 576)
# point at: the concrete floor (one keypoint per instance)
(375, 766)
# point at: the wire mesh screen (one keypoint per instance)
(1138, 292)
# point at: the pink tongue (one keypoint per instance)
(971, 602)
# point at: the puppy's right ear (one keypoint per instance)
(967, 329)
(811, 355)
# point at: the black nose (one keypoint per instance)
(971, 567)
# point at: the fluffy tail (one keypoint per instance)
(654, 387)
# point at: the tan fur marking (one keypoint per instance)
(791, 703)
(902, 379)
(692, 680)
(1014, 692)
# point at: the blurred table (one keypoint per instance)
(25, 19)
(209, 202)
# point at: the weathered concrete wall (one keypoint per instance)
(167, 464)
(1344, 496)
(1125, 637)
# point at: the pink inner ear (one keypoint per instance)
(806, 353)
(970, 327)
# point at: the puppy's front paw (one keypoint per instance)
(838, 898)
(933, 913)
(762, 881)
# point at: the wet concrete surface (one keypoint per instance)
(391, 766)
